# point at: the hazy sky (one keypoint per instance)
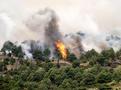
(94, 17)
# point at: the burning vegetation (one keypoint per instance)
(83, 71)
(61, 48)
(92, 70)
(53, 38)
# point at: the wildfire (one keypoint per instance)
(61, 47)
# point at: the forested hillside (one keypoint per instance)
(92, 71)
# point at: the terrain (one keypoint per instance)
(92, 71)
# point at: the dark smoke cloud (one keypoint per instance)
(52, 32)
(45, 23)
(74, 43)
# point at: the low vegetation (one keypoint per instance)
(92, 71)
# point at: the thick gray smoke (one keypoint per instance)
(52, 33)
(114, 41)
(45, 23)
(98, 19)
(29, 46)
(43, 28)
(74, 43)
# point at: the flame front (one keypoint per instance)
(61, 47)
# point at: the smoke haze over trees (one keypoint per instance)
(92, 70)
(60, 45)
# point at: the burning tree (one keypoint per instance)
(61, 51)
(61, 48)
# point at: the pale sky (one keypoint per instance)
(94, 17)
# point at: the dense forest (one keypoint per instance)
(92, 71)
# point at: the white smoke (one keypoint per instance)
(45, 24)
(6, 27)
(35, 27)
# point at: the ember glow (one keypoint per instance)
(61, 47)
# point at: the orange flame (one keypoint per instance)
(61, 47)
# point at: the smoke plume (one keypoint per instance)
(74, 43)
(45, 23)
(43, 28)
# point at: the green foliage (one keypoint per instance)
(9, 46)
(31, 77)
(102, 60)
(76, 63)
(38, 75)
(104, 77)
(47, 53)
(18, 52)
(37, 55)
(12, 49)
(91, 53)
(118, 54)
(104, 87)
(66, 83)
(108, 53)
(12, 61)
(47, 65)
(6, 61)
(71, 57)
(45, 84)
(88, 79)
(117, 73)
(40, 55)
(42, 74)
(1, 66)
(95, 70)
